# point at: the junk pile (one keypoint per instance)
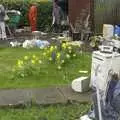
(105, 82)
(110, 38)
(35, 43)
(31, 44)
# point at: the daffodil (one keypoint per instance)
(64, 46)
(59, 67)
(51, 48)
(40, 61)
(34, 56)
(55, 47)
(33, 61)
(50, 59)
(74, 55)
(58, 55)
(68, 56)
(69, 47)
(26, 58)
(20, 62)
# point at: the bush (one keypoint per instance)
(44, 11)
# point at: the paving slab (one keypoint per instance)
(47, 96)
(71, 95)
(14, 97)
(41, 96)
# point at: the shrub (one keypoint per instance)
(44, 11)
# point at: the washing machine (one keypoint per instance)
(102, 65)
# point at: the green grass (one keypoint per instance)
(53, 112)
(49, 75)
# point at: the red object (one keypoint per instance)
(33, 17)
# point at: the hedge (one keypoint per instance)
(44, 11)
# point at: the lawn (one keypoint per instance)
(53, 112)
(49, 76)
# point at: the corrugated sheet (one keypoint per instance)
(106, 12)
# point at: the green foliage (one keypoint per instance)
(48, 74)
(44, 11)
(58, 55)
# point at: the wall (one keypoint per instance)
(106, 12)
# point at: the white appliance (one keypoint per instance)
(102, 65)
(107, 49)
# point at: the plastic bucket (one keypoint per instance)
(108, 31)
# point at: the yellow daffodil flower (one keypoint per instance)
(26, 58)
(58, 55)
(50, 59)
(64, 46)
(74, 55)
(55, 47)
(59, 67)
(33, 61)
(40, 62)
(51, 48)
(68, 56)
(69, 47)
(34, 56)
(20, 62)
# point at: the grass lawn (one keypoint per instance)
(49, 75)
(53, 112)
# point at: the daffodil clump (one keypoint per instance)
(62, 54)
(26, 66)
(57, 55)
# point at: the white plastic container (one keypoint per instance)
(108, 31)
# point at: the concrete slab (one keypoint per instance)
(41, 96)
(47, 96)
(71, 95)
(14, 97)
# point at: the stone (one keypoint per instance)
(81, 84)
